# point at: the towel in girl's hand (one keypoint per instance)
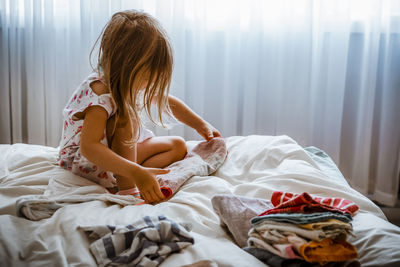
(204, 159)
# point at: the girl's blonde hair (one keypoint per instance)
(134, 51)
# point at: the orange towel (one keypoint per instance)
(327, 224)
(328, 250)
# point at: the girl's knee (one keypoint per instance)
(178, 145)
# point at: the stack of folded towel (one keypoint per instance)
(303, 227)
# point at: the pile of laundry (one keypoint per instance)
(300, 226)
(291, 229)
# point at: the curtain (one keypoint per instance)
(326, 73)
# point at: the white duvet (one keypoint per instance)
(255, 167)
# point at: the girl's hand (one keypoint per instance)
(148, 186)
(207, 131)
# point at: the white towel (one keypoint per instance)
(67, 190)
(36, 208)
(204, 159)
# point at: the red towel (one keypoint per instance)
(285, 202)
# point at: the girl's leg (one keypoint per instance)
(159, 152)
(155, 152)
(117, 143)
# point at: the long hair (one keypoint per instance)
(135, 51)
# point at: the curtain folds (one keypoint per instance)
(326, 73)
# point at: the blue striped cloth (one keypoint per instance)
(146, 242)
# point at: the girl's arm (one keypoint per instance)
(94, 123)
(187, 116)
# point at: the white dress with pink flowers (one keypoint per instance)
(70, 157)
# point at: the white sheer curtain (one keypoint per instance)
(326, 73)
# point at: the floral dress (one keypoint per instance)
(70, 156)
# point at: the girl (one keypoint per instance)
(103, 138)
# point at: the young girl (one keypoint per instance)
(103, 138)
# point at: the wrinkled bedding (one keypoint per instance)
(255, 167)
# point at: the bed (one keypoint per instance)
(256, 166)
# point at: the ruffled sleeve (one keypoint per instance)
(86, 98)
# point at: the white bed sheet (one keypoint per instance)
(255, 167)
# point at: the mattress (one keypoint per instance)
(256, 166)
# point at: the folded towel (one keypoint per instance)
(276, 261)
(266, 228)
(283, 248)
(145, 242)
(328, 250)
(327, 225)
(285, 202)
(303, 218)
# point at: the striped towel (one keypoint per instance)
(146, 242)
(285, 202)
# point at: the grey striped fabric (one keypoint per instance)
(146, 242)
